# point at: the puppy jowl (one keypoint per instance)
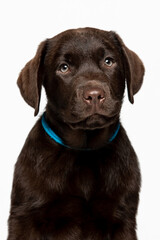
(77, 176)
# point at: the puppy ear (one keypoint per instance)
(134, 69)
(31, 78)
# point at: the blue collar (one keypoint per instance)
(58, 140)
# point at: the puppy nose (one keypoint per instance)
(94, 96)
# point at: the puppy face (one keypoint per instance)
(84, 73)
(84, 78)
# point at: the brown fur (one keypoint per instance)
(68, 194)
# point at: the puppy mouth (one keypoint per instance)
(95, 121)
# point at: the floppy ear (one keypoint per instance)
(31, 78)
(134, 69)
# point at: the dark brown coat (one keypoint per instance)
(77, 194)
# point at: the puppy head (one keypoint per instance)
(84, 73)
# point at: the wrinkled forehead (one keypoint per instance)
(81, 42)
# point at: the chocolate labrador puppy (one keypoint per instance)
(77, 176)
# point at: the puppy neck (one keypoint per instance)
(79, 139)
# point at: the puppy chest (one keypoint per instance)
(83, 181)
(85, 176)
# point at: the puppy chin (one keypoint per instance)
(93, 122)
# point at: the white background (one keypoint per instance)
(23, 25)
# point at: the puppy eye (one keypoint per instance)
(108, 61)
(64, 68)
